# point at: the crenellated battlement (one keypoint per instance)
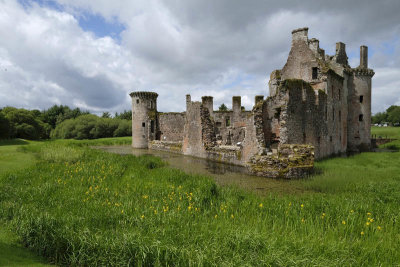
(363, 72)
(144, 95)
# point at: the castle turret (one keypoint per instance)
(359, 116)
(144, 118)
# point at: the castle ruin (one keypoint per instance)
(318, 106)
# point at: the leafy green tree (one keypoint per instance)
(57, 114)
(379, 117)
(4, 127)
(223, 107)
(106, 115)
(394, 115)
(125, 115)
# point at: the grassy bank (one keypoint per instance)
(85, 207)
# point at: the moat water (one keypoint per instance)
(223, 174)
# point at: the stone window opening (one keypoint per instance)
(319, 140)
(361, 117)
(330, 138)
(340, 116)
(314, 73)
(326, 113)
(277, 114)
(137, 101)
(333, 114)
(339, 93)
(361, 98)
(228, 121)
(304, 137)
(152, 126)
(219, 124)
(143, 124)
(151, 104)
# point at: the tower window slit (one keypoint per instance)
(361, 98)
(152, 126)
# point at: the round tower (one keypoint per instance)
(144, 118)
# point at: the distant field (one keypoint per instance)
(387, 132)
(79, 206)
(391, 132)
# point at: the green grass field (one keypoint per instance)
(79, 206)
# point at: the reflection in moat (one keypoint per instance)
(223, 174)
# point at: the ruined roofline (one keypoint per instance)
(144, 94)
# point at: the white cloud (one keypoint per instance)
(219, 48)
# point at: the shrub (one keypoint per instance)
(25, 124)
(92, 127)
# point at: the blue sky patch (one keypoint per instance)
(100, 26)
(88, 21)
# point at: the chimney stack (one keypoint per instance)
(364, 57)
(300, 34)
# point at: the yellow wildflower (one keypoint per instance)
(302, 220)
(261, 205)
(142, 217)
(343, 222)
(232, 216)
(379, 228)
(367, 223)
(302, 206)
(215, 216)
(362, 233)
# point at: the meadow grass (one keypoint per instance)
(11, 252)
(79, 206)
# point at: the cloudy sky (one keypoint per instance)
(91, 53)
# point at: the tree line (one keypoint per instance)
(391, 115)
(61, 121)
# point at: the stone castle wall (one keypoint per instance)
(171, 126)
